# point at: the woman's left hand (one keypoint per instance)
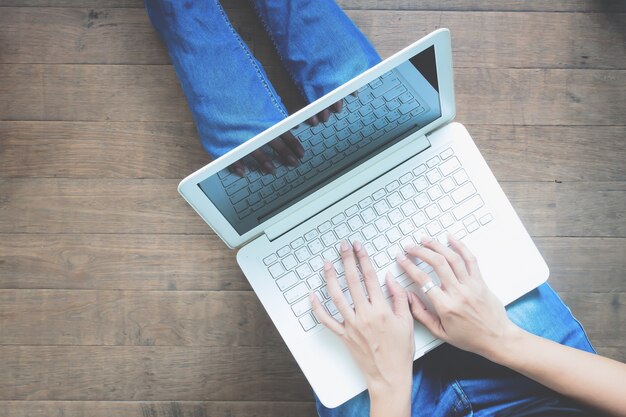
(378, 335)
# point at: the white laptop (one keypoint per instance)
(388, 169)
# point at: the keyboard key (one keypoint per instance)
(332, 308)
(338, 218)
(315, 282)
(422, 200)
(382, 224)
(393, 185)
(407, 242)
(368, 215)
(472, 227)
(460, 177)
(351, 211)
(395, 216)
(380, 243)
(338, 265)
(381, 259)
(486, 219)
(420, 169)
(366, 202)
(433, 175)
(446, 154)
(283, 251)
(304, 271)
(270, 259)
(433, 228)
(407, 191)
(449, 166)
(395, 199)
(447, 184)
(445, 203)
(393, 234)
(317, 263)
(296, 292)
(446, 220)
(393, 251)
(432, 211)
(311, 234)
(467, 207)
(463, 192)
(379, 194)
(434, 192)
(290, 262)
(302, 254)
(307, 322)
(469, 219)
(355, 223)
(409, 208)
(297, 243)
(381, 207)
(355, 237)
(406, 226)
(420, 184)
(276, 270)
(330, 254)
(369, 232)
(329, 238)
(433, 161)
(419, 219)
(287, 281)
(316, 246)
(342, 230)
(406, 178)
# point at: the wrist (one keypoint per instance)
(392, 396)
(507, 346)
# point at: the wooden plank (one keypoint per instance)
(110, 261)
(135, 318)
(123, 36)
(509, 5)
(150, 373)
(158, 408)
(203, 262)
(198, 318)
(601, 315)
(154, 207)
(172, 150)
(152, 93)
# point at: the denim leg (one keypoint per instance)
(319, 45)
(451, 382)
(228, 92)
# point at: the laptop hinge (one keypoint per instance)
(348, 184)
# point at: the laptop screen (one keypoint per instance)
(376, 116)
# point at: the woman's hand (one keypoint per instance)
(378, 335)
(468, 315)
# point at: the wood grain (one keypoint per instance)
(157, 408)
(150, 373)
(202, 262)
(200, 318)
(172, 150)
(123, 36)
(154, 206)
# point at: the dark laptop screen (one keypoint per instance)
(371, 119)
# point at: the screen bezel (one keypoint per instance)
(190, 191)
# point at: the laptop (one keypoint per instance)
(389, 168)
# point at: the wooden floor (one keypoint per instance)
(116, 299)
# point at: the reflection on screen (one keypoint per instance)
(375, 117)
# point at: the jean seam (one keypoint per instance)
(282, 58)
(575, 319)
(246, 51)
(463, 403)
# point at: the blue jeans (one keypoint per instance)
(232, 100)
(450, 382)
(229, 94)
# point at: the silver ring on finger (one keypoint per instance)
(429, 286)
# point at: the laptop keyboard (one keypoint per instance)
(432, 199)
(379, 107)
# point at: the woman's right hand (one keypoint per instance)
(468, 315)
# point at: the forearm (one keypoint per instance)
(590, 379)
(391, 401)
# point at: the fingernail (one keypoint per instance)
(400, 256)
(327, 265)
(239, 171)
(292, 160)
(427, 239)
(344, 246)
(357, 245)
(267, 165)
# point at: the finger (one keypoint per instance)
(439, 264)
(313, 121)
(237, 168)
(399, 299)
(323, 316)
(337, 107)
(323, 115)
(471, 263)
(454, 259)
(286, 155)
(420, 312)
(369, 274)
(436, 295)
(334, 290)
(293, 143)
(264, 161)
(352, 276)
